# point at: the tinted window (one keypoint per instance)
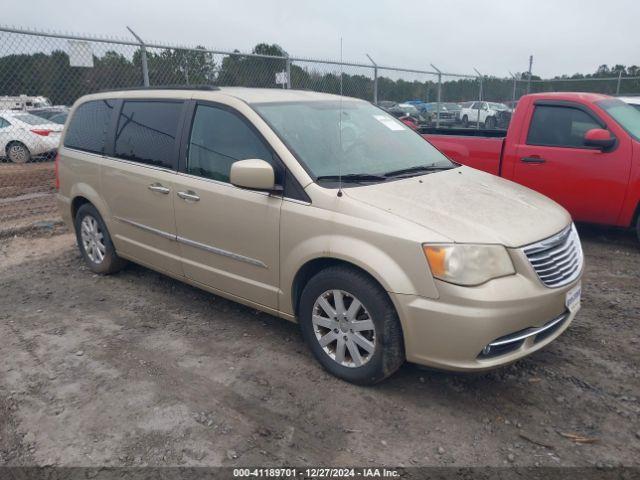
(219, 138)
(4, 123)
(147, 132)
(88, 127)
(559, 126)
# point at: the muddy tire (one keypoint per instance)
(17, 152)
(351, 326)
(95, 242)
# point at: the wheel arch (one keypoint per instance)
(82, 193)
(316, 265)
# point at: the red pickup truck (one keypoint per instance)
(580, 149)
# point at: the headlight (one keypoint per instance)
(468, 264)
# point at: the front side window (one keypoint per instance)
(147, 132)
(4, 123)
(219, 138)
(350, 138)
(558, 126)
(88, 127)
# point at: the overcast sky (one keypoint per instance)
(565, 36)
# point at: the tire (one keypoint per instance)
(638, 228)
(17, 152)
(490, 123)
(95, 242)
(465, 121)
(379, 351)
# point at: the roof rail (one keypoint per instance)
(164, 87)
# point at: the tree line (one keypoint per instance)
(51, 75)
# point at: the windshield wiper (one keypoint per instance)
(354, 177)
(417, 169)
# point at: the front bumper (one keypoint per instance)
(452, 331)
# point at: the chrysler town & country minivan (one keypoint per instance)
(326, 211)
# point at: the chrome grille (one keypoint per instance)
(557, 260)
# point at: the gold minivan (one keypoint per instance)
(326, 211)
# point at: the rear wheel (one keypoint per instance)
(95, 243)
(351, 326)
(18, 152)
(465, 121)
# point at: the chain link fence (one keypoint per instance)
(42, 74)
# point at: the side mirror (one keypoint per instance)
(254, 174)
(599, 138)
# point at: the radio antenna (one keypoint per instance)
(340, 127)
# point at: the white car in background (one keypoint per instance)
(24, 136)
(633, 101)
(487, 112)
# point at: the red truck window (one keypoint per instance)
(559, 126)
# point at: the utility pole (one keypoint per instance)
(529, 74)
(143, 56)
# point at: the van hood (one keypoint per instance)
(468, 206)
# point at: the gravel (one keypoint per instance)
(166, 377)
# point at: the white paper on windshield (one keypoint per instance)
(390, 123)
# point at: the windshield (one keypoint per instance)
(373, 142)
(624, 114)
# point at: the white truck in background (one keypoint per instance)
(23, 102)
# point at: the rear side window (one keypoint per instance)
(88, 127)
(559, 126)
(147, 132)
(219, 138)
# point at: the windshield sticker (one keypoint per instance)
(390, 123)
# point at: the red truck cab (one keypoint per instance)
(580, 149)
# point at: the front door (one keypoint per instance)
(553, 160)
(228, 236)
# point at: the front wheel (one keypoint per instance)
(95, 243)
(490, 123)
(351, 326)
(638, 228)
(465, 121)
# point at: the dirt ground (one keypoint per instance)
(139, 369)
(26, 193)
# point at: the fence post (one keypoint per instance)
(439, 95)
(529, 75)
(375, 80)
(479, 98)
(143, 56)
(288, 64)
(619, 80)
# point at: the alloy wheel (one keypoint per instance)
(344, 329)
(92, 239)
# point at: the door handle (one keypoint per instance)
(532, 160)
(156, 187)
(189, 195)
